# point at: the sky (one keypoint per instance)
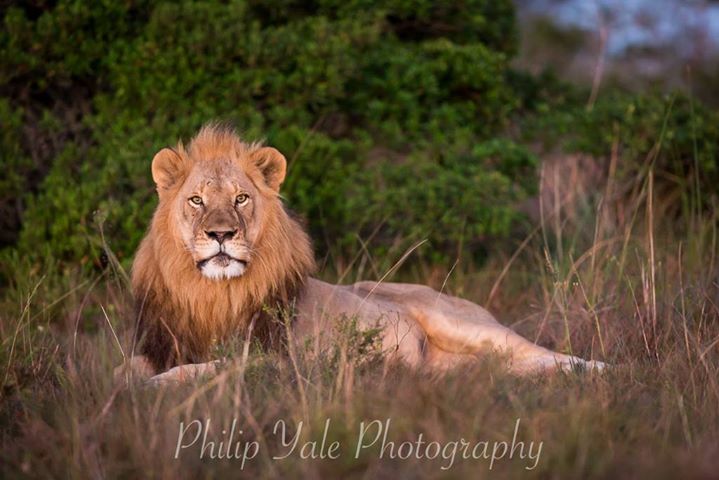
(689, 26)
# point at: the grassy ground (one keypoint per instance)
(631, 280)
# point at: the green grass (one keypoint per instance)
(615, 280)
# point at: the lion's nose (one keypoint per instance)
(221, 235)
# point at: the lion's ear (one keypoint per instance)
(167, 168)
(272, 165)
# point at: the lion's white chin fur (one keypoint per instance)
(220, 268)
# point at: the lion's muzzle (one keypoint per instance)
(222, 266)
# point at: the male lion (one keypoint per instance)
(222, 248)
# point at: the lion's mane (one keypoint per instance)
(181, 313)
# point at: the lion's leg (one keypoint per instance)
(555, 361)
(462, 328)
(139, 368)
(184, 373)
(441, 360)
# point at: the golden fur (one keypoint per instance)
(180, 311)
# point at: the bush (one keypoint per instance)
(329, 83)
(457, 200)
(675, 135)
(16, 170)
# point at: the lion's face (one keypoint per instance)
(217, 203)
(219, 216)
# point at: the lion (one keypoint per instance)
(222, 252)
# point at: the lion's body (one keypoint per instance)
(420, 326)
(208, 268)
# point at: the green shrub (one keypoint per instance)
(16, 169)
(329, 83)
(673, 134)
(456, 200)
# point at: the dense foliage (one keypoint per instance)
(412, 87)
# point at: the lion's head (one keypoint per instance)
(221, 244)
(219, 192)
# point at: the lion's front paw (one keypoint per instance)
(575, 364)
(184, 373)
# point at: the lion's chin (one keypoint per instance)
(221, 267)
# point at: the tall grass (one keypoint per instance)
(607, 274)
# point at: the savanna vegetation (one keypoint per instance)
(587, 224)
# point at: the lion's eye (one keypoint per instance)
(196, 200)
(242, 199)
